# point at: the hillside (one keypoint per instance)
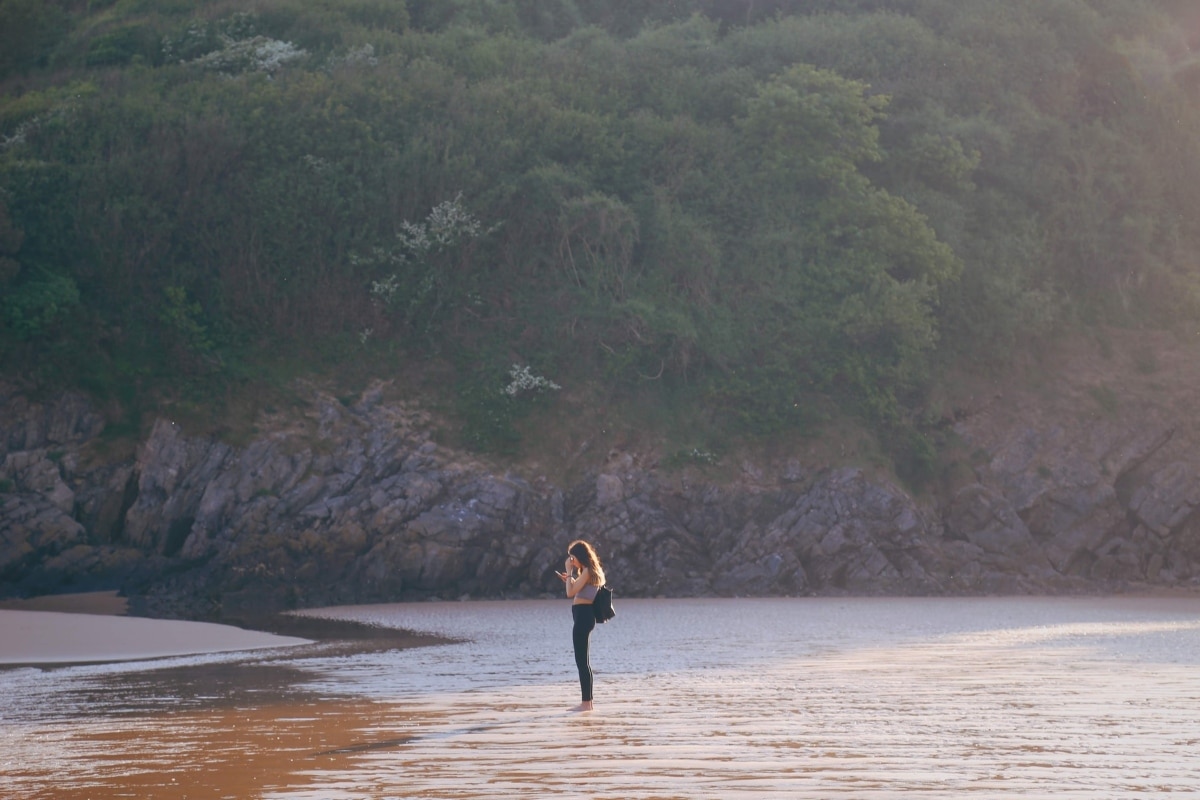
(734, 219)
(302, 294)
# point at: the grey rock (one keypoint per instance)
(609, 490)
(34, 472)
(68, 419)
(352, 502)
(32, 530)
(174, 472)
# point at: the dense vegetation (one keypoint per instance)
(763, 208)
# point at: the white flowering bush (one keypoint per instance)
(692, 455)
(385, 291)
(257, 54)
(702, 456)
(416, 282)
(448, 224)
(413, 240)
(62, 112)
(523, 380)
(489, 416)
(203, 40)
(19, 135)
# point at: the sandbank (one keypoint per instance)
(55, 637)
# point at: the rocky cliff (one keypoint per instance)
(1086, 481)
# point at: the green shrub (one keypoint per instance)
(488, 417)
(700, 456)
(783, 209)
(32, 308)
(914, 455)
(124, 45)
(29, 31)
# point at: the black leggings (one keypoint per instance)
(585, 621)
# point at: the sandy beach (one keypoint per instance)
(713, 699)
(90, 628)
(52, 637)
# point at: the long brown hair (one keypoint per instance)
(587, 556)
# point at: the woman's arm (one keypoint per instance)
(575, 585)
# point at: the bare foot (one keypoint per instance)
(586, 705)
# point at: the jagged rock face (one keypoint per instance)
(1103, 472)
(355, 503)
(69, 419)
(32, 528)
(57, 517)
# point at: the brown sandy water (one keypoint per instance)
(695, 699)
(203, 755)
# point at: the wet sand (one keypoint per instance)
(696, 699)
(64, 629)
(237, 753)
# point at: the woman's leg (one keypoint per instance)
(585, 622)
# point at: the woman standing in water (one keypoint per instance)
(583, 577)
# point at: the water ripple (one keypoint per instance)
(696, 699)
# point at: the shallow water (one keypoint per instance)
(864, 698)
